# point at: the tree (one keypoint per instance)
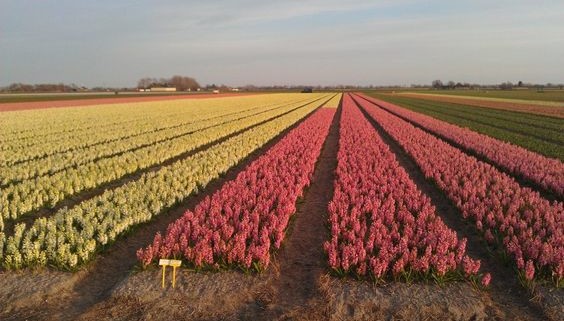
(184, 83)
(451, 84)
(437, 84)
(144, 83)
(181, 83)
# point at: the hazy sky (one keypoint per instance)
(326, 42)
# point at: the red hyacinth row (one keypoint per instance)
(530, 228)
(545, 172)
(381, 224)
(242, 222)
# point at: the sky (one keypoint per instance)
(317, 42)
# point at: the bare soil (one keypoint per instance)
(103, 101)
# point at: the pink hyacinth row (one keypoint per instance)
(381, 224)
(545, 172)
(242, 222)
(530, 228)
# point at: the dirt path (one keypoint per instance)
(95, 282)
(76, 199)
(103, 101)
(300, 264)
(509, 299)
(522, 181)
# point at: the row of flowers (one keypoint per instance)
(71, 237)
(333, 102)
(381, 224)
(240, 224)
(52, 131)
(47, 191)
(527, 226)
(172, 129)
(545, 172)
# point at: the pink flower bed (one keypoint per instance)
(542, 171)
(530, 228)
(381, 224)
(247, 218)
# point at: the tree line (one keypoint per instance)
(181, 83)
(508, 85)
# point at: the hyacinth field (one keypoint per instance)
(247, 219)
(380, 222)
(308, 193)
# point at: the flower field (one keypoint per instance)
(529, 228)
(381, 224)
(543, 171)
(247, 219)
(515, 103)
(537, 133)
(37, 192)
(339, 197)
(71, 236)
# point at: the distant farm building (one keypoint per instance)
(163, 89)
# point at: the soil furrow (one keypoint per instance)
(301, 262)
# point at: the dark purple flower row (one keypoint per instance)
(530, 228)
(381, 224)
(247, 218)
(545, 172)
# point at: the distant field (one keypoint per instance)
(20, 98)
(546, 95)
(110, 99)
(535, 132)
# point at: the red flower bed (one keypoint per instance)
(246, 219)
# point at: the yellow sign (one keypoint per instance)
(174, 263)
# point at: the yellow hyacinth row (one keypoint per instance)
(334, 102)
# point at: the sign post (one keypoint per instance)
(174, 263)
